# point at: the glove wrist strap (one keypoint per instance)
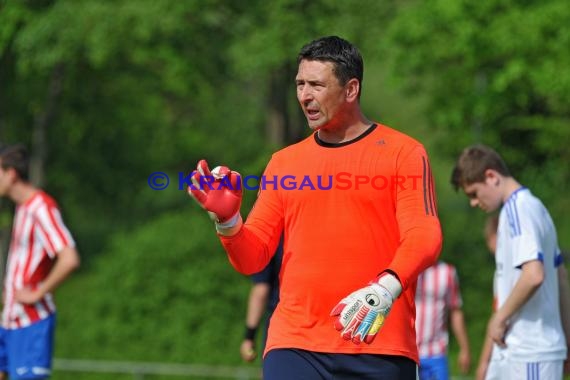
(391, 283)
(231, 226)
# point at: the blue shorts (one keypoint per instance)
(434, 368)
(287, 364)
(26, 353)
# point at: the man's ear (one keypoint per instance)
(492, 177)
(352, 89)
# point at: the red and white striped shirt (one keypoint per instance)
(437, 293)
(38, 234)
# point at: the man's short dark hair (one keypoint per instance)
(346, 59)
(472, 164)
(16, 157)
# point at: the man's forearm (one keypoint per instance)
(459, 330)
(564, 295)
(257, 304)
(530, 280)
(67, 261)
(486, 350)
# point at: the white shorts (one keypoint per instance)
(551, 370)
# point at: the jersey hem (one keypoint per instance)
(369, 351)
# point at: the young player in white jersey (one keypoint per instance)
(41, 255)
(527, 325)
(438, 300)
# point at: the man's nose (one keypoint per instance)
(305, 94)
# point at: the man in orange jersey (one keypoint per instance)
(352, 250)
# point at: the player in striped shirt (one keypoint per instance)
(41, 255)
(352, 251)
(438, 300)
(526, 326)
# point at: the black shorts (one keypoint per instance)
(295, 364)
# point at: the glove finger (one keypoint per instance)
(364, 327)
(204, 176)
(235, 179)
(200, 182)
(227, 180)
(203, 168)
(376, 325)
(353, 317)
(349, 329)
(352, 311)
(338, 308)
(198, 195)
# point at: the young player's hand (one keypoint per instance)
(497, 329)
(362, 313)
(481, 371)
(464, 361)
(218, 191)
(27, 295)
(247, 350)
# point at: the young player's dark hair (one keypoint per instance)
(15, 157)
(472, 164)
(345, 57)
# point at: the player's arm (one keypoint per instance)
(564, 295)
(67, 261)
(460, 332)
(457, 320)
(257, 304)
(418, 222)
(362, 313)
(484, 358)
(487, 349)
(532, 276)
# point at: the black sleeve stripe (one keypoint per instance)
(424, 183)
(434, 198)
(428, 188)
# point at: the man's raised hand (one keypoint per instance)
(219, 192)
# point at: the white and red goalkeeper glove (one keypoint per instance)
(362, 313)
(219, 192)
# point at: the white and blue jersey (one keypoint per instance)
(526, 233)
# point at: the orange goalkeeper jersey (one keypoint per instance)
(348, 212)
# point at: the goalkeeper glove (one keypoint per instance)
(362, 313)
(219, 192)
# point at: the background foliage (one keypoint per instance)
(106, 93)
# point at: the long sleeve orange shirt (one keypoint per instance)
(348, 212)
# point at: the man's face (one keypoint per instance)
(320, 94)
(485, 195)
(6, 180)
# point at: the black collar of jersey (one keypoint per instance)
(338, 145)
